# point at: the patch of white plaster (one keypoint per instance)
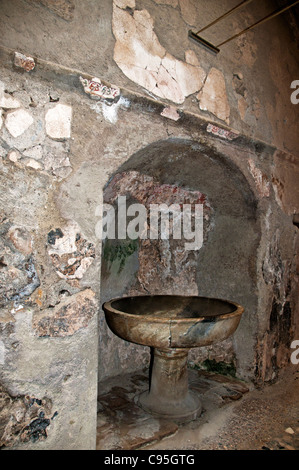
(14, 155)
(17, 122)
(171, 113)
(110, 112)
(58, 122)
(213, 97)
(8, 102)
(191, 58)
(146, 62)
(85, 263)
(17, 308)
(31, 163)
(67, 243)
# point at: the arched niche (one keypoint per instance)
(224, 267)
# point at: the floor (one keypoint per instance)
(235, 415)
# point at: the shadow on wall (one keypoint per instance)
(184, 174)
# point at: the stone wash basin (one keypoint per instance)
(171, 324)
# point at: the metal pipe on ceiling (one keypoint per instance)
(216, 49)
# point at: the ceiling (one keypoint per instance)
(291, 17)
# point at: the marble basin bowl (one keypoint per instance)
(171, 324)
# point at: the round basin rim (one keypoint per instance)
(237, 312)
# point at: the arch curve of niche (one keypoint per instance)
(179, 171)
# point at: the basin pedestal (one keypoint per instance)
(169, 395)
(172, 324)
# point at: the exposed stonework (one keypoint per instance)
(70, 252)
(6, 100)
(148, 191)
(64, 366)
(14, 156)
(17, 122)
(24, 62)
(171, 113)
(98, 91)
(38, 136)
(52, 160)
(56, 159)
(277, 272)
(21, 239)
(69, 316)
(213, 96)
(18, 274)
(58, 122)
(145, 61)
(36, 152)
(160, 261)
(23, 418)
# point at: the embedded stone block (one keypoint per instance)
(68, 316)
(98, 91)
(18, 275)
(58, 122)
(70, 252)
(17, 122)
(171, 113)
(24, 62)
(23, 418)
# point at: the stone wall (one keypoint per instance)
(100, 97)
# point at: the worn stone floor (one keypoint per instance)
(235, 416)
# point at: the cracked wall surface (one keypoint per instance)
(145, 47)
(145, 61)
(91, 90)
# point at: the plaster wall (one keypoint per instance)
(64, 136)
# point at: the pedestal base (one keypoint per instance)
(169, 396)
(189, 410)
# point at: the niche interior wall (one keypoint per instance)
(178, 171)
(80, 119)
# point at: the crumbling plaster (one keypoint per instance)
(53, 180)
(160, 29)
